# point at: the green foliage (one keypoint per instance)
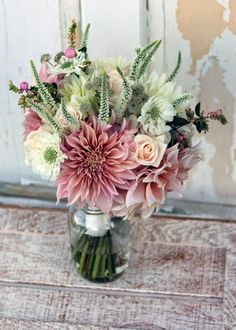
(53, 122)
(45, 58)
(58, 57)
(147, 59)
(182, 100)
(104, 101)
(14, 88)
(85, 35)
(222, 119)
(72, 34)
(142, 59)
(125, 96)
(84, 64)
(66, 65)
(176, 69)
(201, 121)
(179, 122)
(140, 56)
(47, 117)
(43, 91)
(201, 125)
(24, 101)
(71, 120)
(198, 109)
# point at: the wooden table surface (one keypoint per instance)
(182, 276)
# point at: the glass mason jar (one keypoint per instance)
(100, 244)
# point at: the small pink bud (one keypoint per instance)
(24, 86)
(69, 52)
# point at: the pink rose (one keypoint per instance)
(150, 150)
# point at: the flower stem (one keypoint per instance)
(84, 254)
(92, 256)
(98, 257)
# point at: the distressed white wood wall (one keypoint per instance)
(205, 32)
(28, 29)
(117, 27)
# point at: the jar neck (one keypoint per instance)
(93, 210)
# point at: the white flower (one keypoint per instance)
(111, 64)
(157, 86)
(155, 114)
(73, 85)
(43, 153)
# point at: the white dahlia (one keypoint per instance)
(155, 114)
(43, 153)
(74, 85)
(157, 86)
(111, 64)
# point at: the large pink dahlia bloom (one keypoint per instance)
(99, 163)
(152, 184)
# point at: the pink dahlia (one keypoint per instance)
(98, 164)
(152, 184)
(31, 123)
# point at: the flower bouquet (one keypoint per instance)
(113, 138)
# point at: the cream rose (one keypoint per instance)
(150, 150)
(115, 81)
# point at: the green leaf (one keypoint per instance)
(104, 101)
(58, 57)
(176, 69)
(147, 59)
(201, 125)
(124, 97)
(223, 120)
(84, 40)
(42, 89)
(66, 65)
(71, 120)
(198, 109)
(14, 88)
(181, 100)
(179, 121)
(45, 58)
(141, 54)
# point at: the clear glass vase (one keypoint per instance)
(100, 244)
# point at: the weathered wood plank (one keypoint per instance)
(230, 293)
(154, 268)
(12, 324)
(33, 221)
(40, 227)
(123, 312)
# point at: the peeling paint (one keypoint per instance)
(205, 31)
(200, 22)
